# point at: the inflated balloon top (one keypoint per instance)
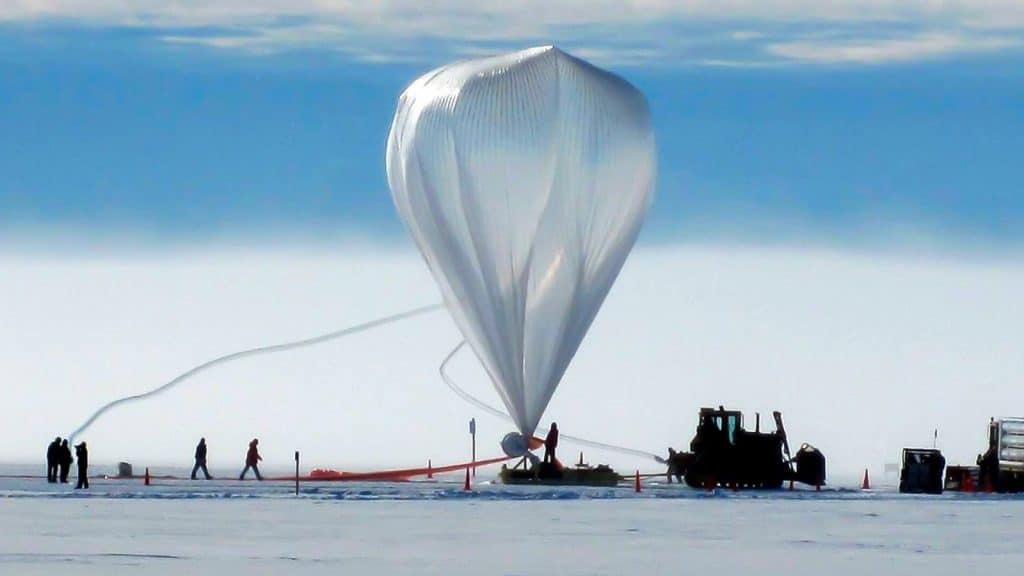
(524, 180)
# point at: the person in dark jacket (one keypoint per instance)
(201, 460)
(52, 459)
(82, 454)
(252, 458)
(64, 459)
(550, 443)
(677, 462)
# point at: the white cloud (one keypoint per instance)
(623, 33)
(744, 35)
(863, 355)
(524, 14)
(873, 51)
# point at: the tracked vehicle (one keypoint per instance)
(723, 453)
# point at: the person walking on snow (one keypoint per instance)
(201, 460)
(550, 443)
(252, 458)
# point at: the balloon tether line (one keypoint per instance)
(501, 414)
(254, 352)
(331, 336)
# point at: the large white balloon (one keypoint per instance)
(524, 180)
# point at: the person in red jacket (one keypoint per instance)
(252, 458)
(550, 443)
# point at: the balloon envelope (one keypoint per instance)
(524, 180)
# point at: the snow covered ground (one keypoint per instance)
(228, 527)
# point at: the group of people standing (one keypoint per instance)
(59, 459)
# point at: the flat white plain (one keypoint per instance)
(864, 355)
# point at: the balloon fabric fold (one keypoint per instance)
(524, 180)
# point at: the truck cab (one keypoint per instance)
(922, 471)
(721, 423)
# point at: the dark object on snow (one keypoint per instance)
(201, 460)
(64, 459)
(552, 473)
(962, 478)
(52, 459)
(922, 471)
(810, 466)
(252, 458)
(82, 454)
(723, 453)
(124, 470)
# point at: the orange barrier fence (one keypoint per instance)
(314, 476)
(391, 475)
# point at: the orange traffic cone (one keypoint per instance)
(147, 476)
(466, 485)
(866, 484)
(636, 482)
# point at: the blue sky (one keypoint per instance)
(877, 123)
